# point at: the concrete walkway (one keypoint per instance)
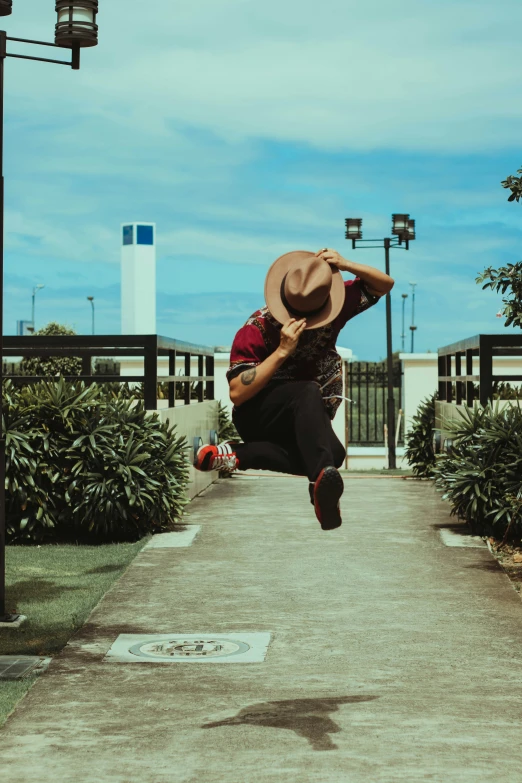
(392, 656)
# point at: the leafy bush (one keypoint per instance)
(505, 391)
(482, 476)
(226, 427)
(88, 463)
(138, 391)
(226, 431)
(51, 365)
(419, 440)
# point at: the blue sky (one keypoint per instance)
(247, 129)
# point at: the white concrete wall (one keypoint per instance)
(194, 420)
(420, 380)
(221, 365)
(372, 458)
(421, 376)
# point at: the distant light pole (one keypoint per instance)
(91, 300)
(35, 289)
(75, 28)
(404, 230)
(403, 336)
(412, 327)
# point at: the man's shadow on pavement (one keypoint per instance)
(309, 718)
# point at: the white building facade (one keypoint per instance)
(138, 278)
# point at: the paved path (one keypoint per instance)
(393, 657)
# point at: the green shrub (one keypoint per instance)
(138, 391)
(226, 431)
(482, 474)
(51, 365)
(226, 427)
(505, 391)
(419, 440)
(88, 463)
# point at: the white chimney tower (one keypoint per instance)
(138, 278)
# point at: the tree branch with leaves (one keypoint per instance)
(514, 184)
(506, 280)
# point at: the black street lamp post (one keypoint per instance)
(412, 327)
(91, 300)
(403, 229)
(75, 28)
(403, 336)
(35, 291)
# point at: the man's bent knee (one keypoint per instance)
(339, 455)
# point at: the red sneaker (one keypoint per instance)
(220, 457)
(327, 490)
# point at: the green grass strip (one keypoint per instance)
(56, 587)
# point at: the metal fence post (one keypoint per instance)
(458, 383)
(187, 383)
(172, 384)
(150, 368)
(449, 389)
(209, 370)
(485, 368)
(470, 388)
(200, 391)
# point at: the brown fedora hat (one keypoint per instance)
(301, 285)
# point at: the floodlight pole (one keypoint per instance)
(5, 617)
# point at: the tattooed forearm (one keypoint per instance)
(248, 376)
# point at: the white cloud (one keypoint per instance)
(245, 129)
(411, 76)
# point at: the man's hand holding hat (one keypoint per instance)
(377, 283)
(334, 258)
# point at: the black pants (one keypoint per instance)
(286, 428)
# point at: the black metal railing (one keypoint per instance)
(459, 386)
(366, 385)
(150, 346)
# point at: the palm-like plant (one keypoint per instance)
(85, 465)
(482, 476)
(419, 440)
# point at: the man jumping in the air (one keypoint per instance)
(285, 375)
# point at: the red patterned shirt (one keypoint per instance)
(315, 358)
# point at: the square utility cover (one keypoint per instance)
(175, 539)
(189, 648)
(453, 538)
(16, 667)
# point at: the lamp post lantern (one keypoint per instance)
(403, 231)
(76, 28)
(91, 300)
(76, 25)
